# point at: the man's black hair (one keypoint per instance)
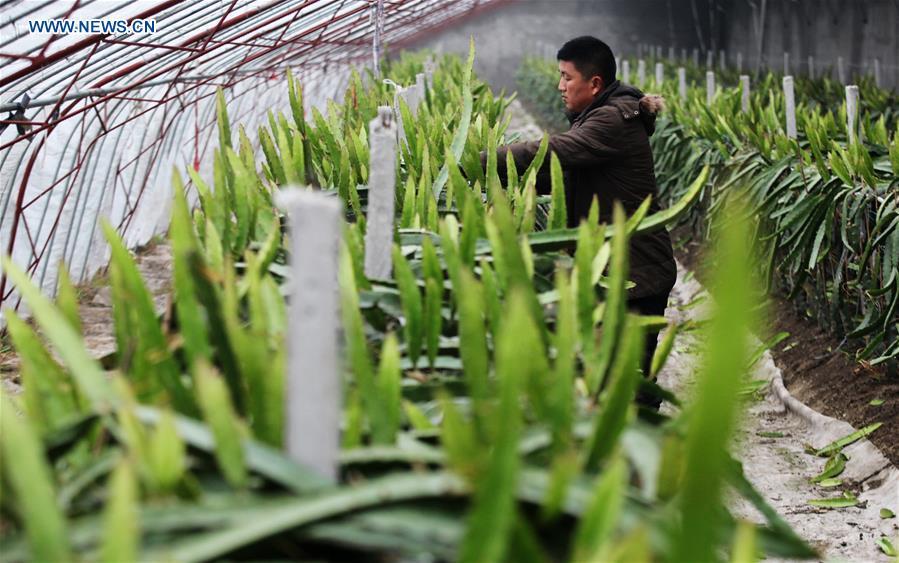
(591, 57)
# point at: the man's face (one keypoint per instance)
(577, 91)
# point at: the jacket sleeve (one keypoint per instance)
(594, 142)
(588, 145)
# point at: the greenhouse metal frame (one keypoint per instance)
(92, 125)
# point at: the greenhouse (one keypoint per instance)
(430, 280)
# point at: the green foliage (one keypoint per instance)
(824, 210)
(31, 480)
(713, 414)
(450, 462)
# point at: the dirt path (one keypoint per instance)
(816, 368)
(771, 444)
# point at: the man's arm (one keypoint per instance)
(588, 145)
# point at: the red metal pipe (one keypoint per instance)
(41, 60)
(157, 73)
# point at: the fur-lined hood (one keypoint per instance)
(652, 103)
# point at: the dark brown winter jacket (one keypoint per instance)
(606, 154)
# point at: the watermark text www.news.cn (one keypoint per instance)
(92, 26)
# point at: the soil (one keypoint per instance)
(95, 308)
(816, 370)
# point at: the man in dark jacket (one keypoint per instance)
(606, 154)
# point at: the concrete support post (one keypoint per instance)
(744, 96)
(430, 67)
(417, 96)
(381, 195)
(790, 99)
(851, 112)
(313, 409)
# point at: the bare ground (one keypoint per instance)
(155, 265)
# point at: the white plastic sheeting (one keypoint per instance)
(109, 117)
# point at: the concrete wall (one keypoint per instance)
(858, 30)
(504, 34)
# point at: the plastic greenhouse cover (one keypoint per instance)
(93, 125)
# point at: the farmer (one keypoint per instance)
(606, 154)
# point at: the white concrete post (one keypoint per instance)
(641, 72)
(786, 63)
(683, 53)
(682, 82)
(841, 72)
(744, 98)
(626, 71)
(710, 60)
(709, 85)
(400, 131)
(417, 96)
(430, 67)
(660, 74)
(658, 51)
(811, 67)
(851, 111)
(381, 195)
(790, 99)
(313, 409)
(695, 56)
(670, 53)
(739, 62)
(722, 59)
(877, 72)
